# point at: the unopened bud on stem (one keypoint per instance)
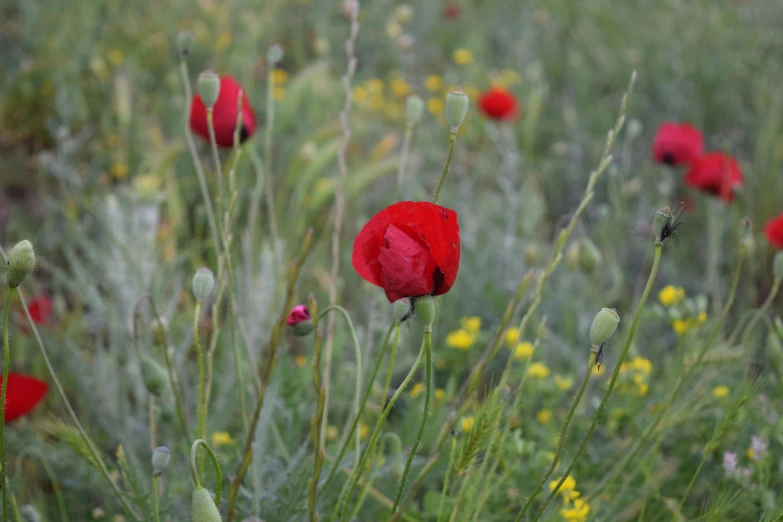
(160, 459)
(414, 109)
(456, 109)
(203, 508)
(203, 282)
(21, 261)
(604, 325)
(208, 88)
(425, 311)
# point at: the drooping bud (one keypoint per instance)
(203, 282)
(424, 308)
(208, 88)
(184, 41)
(589, 255)
(401, 309)
(456, 109)
(21, 261)
(160, 459)
(275, 54)
(299, 321)
(604, 325)
(777, 266)
(153, 374)
(203, 508)
(414, 109)
(746, 235)
(160, 330)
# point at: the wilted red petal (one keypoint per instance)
(774, 231)
(677, 143)
(224, 112)
(716, 173)
(498, 104)
(24, 393)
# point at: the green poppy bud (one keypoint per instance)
(203, 283)
(589, 255)
(777, 265)
(160, 459)
(203, 508)
(160, 329)
(184, 41)
(604, 325)
(208, 85)
(425, 310)
(401, 309)
(414, 109)
(456, 109)
(275, 55)
(662, 225)
(21, 261)
(153, 374)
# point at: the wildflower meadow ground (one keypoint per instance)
(280, 261)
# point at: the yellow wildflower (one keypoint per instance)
(720, 391)
(400, 87)
(544, 416)
(642, 390)
(568, 485)
(680, 326)
(433, 83)
(279, 76)
(300, 361)
(471, 324)
(563, 383)
(435, 106)
(460, 339)
(642, 364)
(119, 170)
(702, 317)
(550, 455)
(462, 57)
(671, 295)
(278, 93)
(222, 438)
(579, 511)
(472, 91)
(523, 351)
(498, 82)
(440, 394)
(599, 370)
(512, 336)
(375, 86)
(750, 454)
(538, 371)
(223, 41)
(467, 423)
(116, 57)
(510, 76)
(416, 390)
(332, 433)
(364, 430)
(360, 95)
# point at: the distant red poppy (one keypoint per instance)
(409, 249)
(498, 104)
(774, 231)
(224, 117)
(716, 173)
(677, 144)
(24, 393)
(40, 309)
(451, 10)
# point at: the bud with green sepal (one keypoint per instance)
(153, 374)
(184, 42)
(203, 508)
(203, 283)
(456, 109)
(160, 331)
(401, 309)
(160, 459)
(589, 255)
(424, 308)
(208, 85)
(604, 325)
(21, 262)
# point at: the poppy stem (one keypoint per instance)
(761, 311)
(155, 511)
(316, 422)
(194, 471)
(202, 414)
(427, 345)
(615, 374)
(270, 125)
(406, 149)
(452, 140)
(6, 364)
(561, 442)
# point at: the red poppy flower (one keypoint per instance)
(677, 144)
(409, 249)
(224, 115)
(451, 10)
(24, 393)
(774, 231)
(498, 104)
(716, 173)
(40, 309)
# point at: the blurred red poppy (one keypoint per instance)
(677, 143)
(716, 173)
(451, 10)
(40, 309)
(498, 104)
(409, 249)
(224, 117)
(774, 231)
(24, 393)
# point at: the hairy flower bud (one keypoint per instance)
(153, 374)
(160, 459)
(425, 311)
(604, 325)
(414, 109)
(208, 85)
(203, 282)
(21, 261)
(401, 309)
(456, 109)
(203, 508)
(662, 225)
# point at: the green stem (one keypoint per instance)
(610, 389)
(316, 422)
(58, 492)
(218, 169)
(373, 439)
(713, 251)
(427, 345)
(194, 470)
(202, 414)
(155, 511)
(563, 433)
(693, 480)
(406, 148)
(270, 125)
(6, 365)
(450, 466)
(761, 311)
(452, 140)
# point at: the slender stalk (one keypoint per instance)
(129, 510)
(155, 510)
(693, 480)
(58, 492)
(452, 140)
(270, 125)
(215, 463)
(202, 414)
(374, 437)
(462, 488)
(427, 345)
(714, 213)
(315, 423)
(762, 310)
(610, 389)
(452, 453)
(218, 167)
(6, 366)
(684, 377)
(563, 433)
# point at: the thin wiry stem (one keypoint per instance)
(452, 140)
(4, 384)
(315, 423)
(339, 205)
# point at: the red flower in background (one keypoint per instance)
(677, 144)
(498, 104)
(451, 10)
(40, 309)
(409, 249)
(24, 393)
(716, 173)
(224, 114)
(774, 231)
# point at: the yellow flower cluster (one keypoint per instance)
(671, 295)
(519, 350)
(465, 337)
(563, 383)
(634, 376)
(720, 391)
(372, 95)
(544, 415)
(462, 57)
(683, 326)
(467, 423)
(538, 370)
(222, 438)
(576, 508)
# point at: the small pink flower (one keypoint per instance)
(730, 463)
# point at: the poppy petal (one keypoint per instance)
(224, 112)
(407, 265)
(23, 394)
